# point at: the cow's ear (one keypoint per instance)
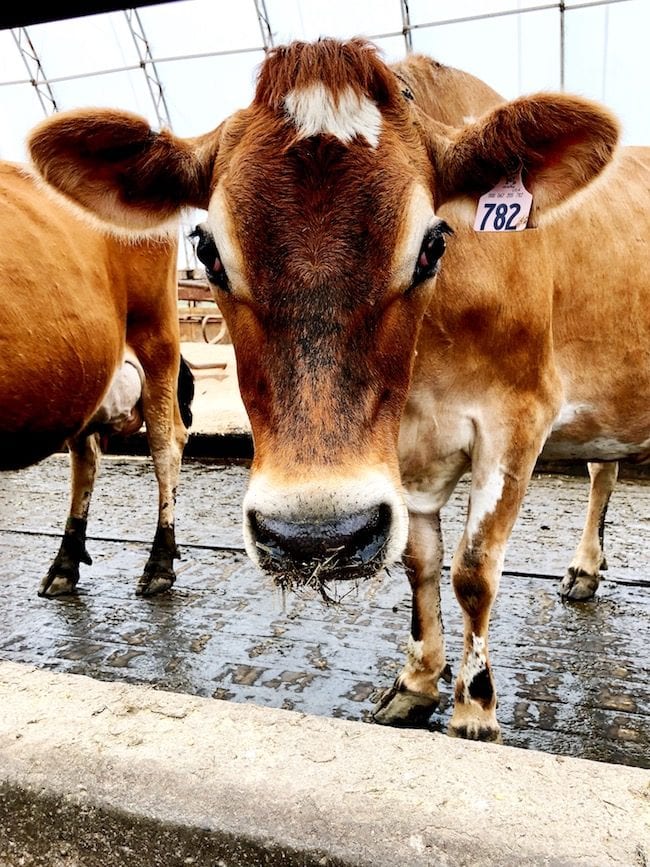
(561, 143)
(115, 165)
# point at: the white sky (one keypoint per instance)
(84, 59)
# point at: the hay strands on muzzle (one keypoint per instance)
(324, 575)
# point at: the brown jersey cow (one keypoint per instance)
(384, 346)
(91, 346)
(456, 98)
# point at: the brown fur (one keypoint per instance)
(448, 95)
(355, 64)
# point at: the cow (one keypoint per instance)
(91, 349)
(384, 345)
(455, 97)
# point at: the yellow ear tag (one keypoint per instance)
(505, 208)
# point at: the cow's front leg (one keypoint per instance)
(582, 577)
(495, 497)
(63, 574)
(167, 436)
(415, 695)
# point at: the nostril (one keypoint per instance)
(366, 543)
(353, 540)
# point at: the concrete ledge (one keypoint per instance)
(95, 773)
(220, 446)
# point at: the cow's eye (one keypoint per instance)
(433, 246)
(208, 255)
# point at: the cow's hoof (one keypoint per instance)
(473, 722)
(399, 706)
(54, 585)
(473, 730)
(152, 584)
(578, 585)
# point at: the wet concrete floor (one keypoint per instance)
(572, 679)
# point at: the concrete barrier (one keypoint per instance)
(96, 774)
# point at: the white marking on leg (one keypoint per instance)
(316, 110)
(475, 663)
(415, 654)
(483, 500)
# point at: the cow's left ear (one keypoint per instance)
(116, 166)
(561, 143)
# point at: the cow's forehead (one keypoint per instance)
(317, 175)
(316, 209)
(315, 202)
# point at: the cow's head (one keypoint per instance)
(322, 243)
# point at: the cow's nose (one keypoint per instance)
(346, 543)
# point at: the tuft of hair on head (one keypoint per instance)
(334, 64)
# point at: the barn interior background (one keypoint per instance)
(187, 64)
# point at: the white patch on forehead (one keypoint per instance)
(315, 110)
(483, 500)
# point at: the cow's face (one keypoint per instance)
(322, 242)
(323, 253)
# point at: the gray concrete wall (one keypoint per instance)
(95, 774)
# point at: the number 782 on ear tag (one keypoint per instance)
(505, 208)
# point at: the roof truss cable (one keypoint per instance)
(149, 68)
(35, 70)
(406, 25)
(265, 25)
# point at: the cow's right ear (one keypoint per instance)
(559, 142)
(113, 164)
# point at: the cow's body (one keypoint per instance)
(372, 381)
(457, 98)
(90, 345)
